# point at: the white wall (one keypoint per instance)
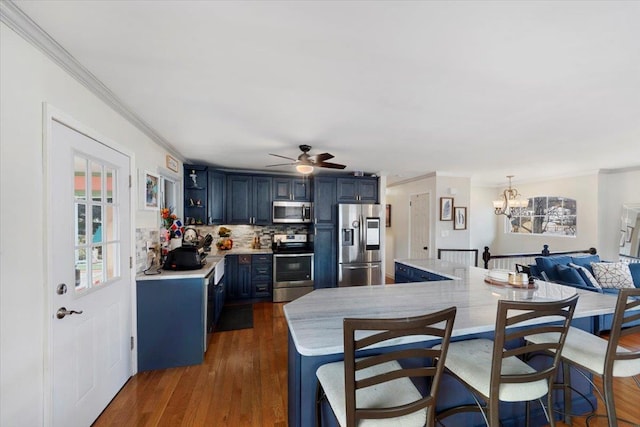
(483, 224)
(397, 236)
(584, 189)
(617, 189)
(442, 234)
(28, 78)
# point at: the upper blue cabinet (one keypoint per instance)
(357, 190)
(195, 194)
(298, 189)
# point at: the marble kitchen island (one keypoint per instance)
(315, 320)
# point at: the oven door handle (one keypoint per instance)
(292, 255)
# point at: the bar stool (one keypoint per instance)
(493, 373)
(589, 353)
(378, 390)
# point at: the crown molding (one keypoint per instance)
(25, 27)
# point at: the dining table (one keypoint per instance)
(315, 323)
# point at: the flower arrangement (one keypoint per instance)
(171, 222)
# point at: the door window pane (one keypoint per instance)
(109, 224)
(81, 269)
(110, 184)
(80, 178)
(111, 262)
(81, 224)
(96, 182)
(96, 254)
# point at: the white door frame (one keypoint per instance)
(49, 114)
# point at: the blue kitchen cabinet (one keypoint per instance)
(357, 190)
(262, 275)
(248, 199)
(325, 257)
(324, 237)
(407, 274)
(195, 194)
(248, 276)
(216, 200)
(237, 271)
(292, 188)
(171, 323)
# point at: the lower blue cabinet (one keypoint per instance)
(407, 274)
(171, 323)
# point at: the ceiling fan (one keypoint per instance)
(305, 162)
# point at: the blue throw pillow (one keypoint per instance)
(570, 275)
(548, 264)
(585, 261)
(635, 273)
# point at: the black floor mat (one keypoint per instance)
(235, 317)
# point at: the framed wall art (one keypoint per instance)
(460, 218)
(172, 164)
(149, 190)
(446, 208)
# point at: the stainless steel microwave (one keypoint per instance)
(292, 212)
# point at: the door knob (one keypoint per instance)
(62, 311)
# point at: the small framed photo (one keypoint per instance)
(629, 233)
(149, 190)
(460, 218)
(446, 208)
(172, 164)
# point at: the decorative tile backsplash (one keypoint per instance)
(144, 235)
(242, 236)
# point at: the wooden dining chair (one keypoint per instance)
(378, 390)
(493, 370)
(590, 354)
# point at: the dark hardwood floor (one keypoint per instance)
(243, 382)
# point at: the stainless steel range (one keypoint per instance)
(292, 266)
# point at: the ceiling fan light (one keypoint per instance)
(304, 169)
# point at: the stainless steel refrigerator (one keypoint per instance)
(359, 254)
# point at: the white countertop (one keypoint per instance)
(315, 320)
(211, 261)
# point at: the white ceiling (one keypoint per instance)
(479, 89)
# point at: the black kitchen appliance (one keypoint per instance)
(185, 258)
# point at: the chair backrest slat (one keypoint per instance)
(627, 311)
(434, 326)
(514, 321)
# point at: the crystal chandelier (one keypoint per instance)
(510, 202)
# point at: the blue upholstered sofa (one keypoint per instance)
(571, 270)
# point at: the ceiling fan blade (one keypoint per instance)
(330, 165)
(319, 158)
(281, 164)
(284, 157)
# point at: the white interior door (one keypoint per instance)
(90, 275)
(419, 226)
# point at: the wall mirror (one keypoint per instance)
(630, 230)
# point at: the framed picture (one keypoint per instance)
(172, 164)
(460, 218)
(149, 190)
(388, 216)
(629, 233)
(446, 208)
